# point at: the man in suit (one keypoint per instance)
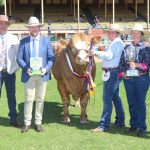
(35, 48)
(8, 66)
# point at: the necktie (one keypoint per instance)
(3, 53)
(34, 48)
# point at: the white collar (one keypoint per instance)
(116, 39)
(35, 38)
(3, 35)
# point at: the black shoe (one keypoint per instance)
(131, 130)
(15, 124)
(25, 128)
(39, 128)
(141, 133)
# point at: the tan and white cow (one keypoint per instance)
(71, 64)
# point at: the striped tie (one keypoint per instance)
(3, 53)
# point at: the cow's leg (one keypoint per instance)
(83, 102)
(65, 101)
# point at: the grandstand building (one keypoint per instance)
(64, 17)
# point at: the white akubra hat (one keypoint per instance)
(33, 21)
(115, 27)
(139, 27)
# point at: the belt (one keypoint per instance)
(110, 69)
(140, 75)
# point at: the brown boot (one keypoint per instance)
(39, 128)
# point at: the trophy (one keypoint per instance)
(131, 54)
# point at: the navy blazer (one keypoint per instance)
(45, 51)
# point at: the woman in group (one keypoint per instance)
(111, 57)
(136, 79)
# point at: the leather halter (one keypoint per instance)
(87, 75)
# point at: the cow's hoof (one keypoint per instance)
(66, 121)
(84, 121)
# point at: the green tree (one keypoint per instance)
(1, 2)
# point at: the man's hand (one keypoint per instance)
(43, 71)
(101, 48)
(29, 71)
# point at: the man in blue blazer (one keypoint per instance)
(35, 57)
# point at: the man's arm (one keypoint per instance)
(20, 60)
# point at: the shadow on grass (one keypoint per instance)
(123, 131)
(53, 114)
(4, 122)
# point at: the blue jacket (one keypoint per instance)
(45, 51)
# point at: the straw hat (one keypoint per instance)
(33, 21)
(4, 18)
(138, 27)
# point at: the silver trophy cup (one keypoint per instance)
(131, 56)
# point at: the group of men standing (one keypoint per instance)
(36, 49)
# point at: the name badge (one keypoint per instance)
(105, 75)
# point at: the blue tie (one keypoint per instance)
(34, 49)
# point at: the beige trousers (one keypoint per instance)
(35, 89)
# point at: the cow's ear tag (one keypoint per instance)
(105, 75)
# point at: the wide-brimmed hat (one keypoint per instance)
(115, 27)
(138, 27)
(4, 18)
(33, 21)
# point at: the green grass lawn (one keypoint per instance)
(74, 136)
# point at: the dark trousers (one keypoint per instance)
(111, 94)
(10, 84)
(136, 91)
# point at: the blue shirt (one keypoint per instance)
(111, 55)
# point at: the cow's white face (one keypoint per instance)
(82, 55)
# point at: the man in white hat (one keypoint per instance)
(35, 57)
(111, 57)
(8, 66)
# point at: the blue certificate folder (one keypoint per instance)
(36, 65)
